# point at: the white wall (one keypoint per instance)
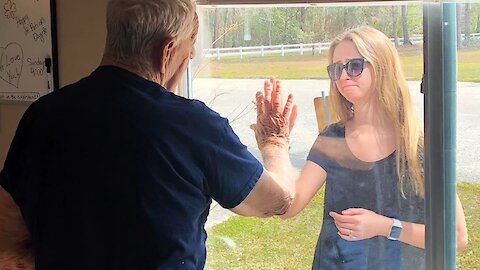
(81, 37)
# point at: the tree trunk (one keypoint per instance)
(459, 26)
(302, 17)
(234, 33)
(478, 24)
(466, 25)
(215, 28)
(394, 25)
(406, 35)
(270, 22)
(285, 26)
(324, 23)
(225, 27)
(247, 33)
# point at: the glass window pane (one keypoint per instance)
(468, 97)
(241, 46)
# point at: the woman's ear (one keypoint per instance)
(165, 48)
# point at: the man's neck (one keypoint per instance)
(140, 71)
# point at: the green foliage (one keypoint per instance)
(286, 28)
(291, 25)
(474, 17)
(469, 194)
(415, 19)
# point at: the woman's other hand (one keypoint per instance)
(355, 224)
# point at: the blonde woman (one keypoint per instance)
(371, 161)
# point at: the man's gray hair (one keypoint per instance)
(134, 27)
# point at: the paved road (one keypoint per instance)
(233, 99)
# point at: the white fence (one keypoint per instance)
(312, 48)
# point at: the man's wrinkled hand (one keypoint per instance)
(275, 118)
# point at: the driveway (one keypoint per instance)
(233, 98)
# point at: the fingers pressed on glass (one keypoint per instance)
(267, 89)
(273, 81)
(293, 116)
(288, 107)
(260, 103)
(277, 97)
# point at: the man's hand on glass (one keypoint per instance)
(276, 115)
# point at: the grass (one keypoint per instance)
(470, 196)
(313, 66)
(254, 243)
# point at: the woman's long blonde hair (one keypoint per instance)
(391, 92)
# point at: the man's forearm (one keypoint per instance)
(277, 161)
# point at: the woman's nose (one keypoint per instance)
(344, 75)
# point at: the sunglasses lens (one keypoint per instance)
(355, 67)
(334, 71)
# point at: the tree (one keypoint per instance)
(478, 24)
(235, 35)
(215, 28)
(467, 22)
(270, 22)
(280, 25)
(225, 27)
(394, 25)
(459, 26)
(406, 35)
(302, 15)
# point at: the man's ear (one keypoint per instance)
(166, 48)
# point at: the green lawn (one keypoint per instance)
(253, 243)
(470, 196)
(309, 66)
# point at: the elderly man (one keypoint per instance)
(117, 172)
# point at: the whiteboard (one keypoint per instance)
(26, 39)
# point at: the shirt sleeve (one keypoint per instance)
(235, 170)
(16, 158)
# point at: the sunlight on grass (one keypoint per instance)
(254, 243)
(310, 66)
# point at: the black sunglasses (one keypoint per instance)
(354, 67)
